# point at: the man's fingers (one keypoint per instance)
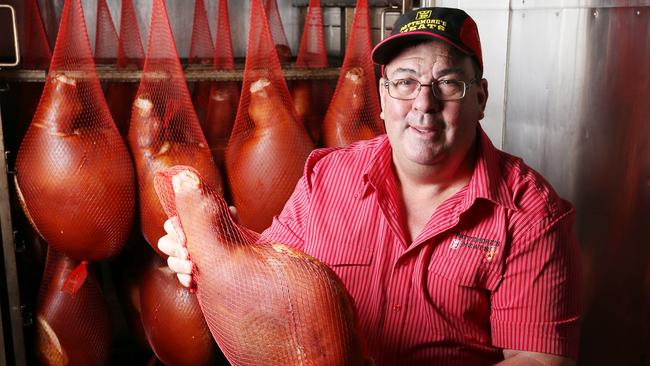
(169, 227)
(170, 245)
(234, 214)
(184, 279)
(180, 266)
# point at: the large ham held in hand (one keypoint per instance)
(265, 303)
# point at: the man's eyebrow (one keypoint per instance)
(403, 70)
(451, 70)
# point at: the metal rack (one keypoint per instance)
(10, 306)
(192, 73)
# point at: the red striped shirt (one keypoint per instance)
(496, 266)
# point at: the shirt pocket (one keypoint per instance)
(467, 265)
(342, 239)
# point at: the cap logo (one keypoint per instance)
(423, 14)
(423, 21)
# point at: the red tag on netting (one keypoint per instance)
(269, 145)
(277, 31)
(265, 303)
(164, 129)
(74, 174)
(172, 318)
(71, 329)
(106, 40)
(354, 111)
(130, 56)
(76, 278)
(311, 97)
(224, 95)
(201, 53)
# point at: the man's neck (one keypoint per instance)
(437, 177)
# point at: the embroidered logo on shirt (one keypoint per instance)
(489, 246)
(455, 243)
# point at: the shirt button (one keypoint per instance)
(397, 307)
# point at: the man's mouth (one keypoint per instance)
(424, 130)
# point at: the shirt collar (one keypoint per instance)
(487, 180)
(380, 166)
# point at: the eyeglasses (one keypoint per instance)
(445, 90)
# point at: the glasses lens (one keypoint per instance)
(449, 89)
(403, 88)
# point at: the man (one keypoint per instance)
(454, 252)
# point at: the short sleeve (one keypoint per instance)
(289, 227)
(537, 306)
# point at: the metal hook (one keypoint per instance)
(15, 30)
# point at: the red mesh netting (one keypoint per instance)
(353, 113)
(201, 53)
(71, 329)
(172, 318)
(36, 52)
(74, 175)
(277, 30)
(265, 303)
(130, 53)
(164, 129)
(224, 95)
(268, 146)
(130, 56)
(106, 41)
(311, 97)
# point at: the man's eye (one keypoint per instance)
(447, 82)
(404, 82)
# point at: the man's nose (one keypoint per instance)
(426, 101)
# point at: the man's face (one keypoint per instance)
(427, 131)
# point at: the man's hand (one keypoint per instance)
(515, 357)
(177, 261)
(173, 245)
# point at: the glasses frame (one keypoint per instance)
(466, 85)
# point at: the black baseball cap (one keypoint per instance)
(453, 26)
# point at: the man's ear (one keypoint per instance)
(382, 96)
(482, 96)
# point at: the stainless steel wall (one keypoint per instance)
(578, 110)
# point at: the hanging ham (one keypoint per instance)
(75, 180)
(172, 319)
(222, 110)
(265, 165)
(156, 146)
(344, 122)
(72, 330)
